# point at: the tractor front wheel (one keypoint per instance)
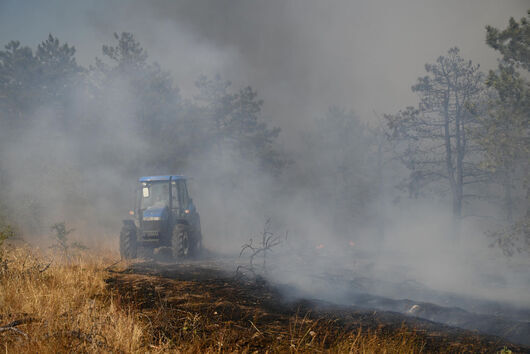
(180, 241)
(196, 243)
(128, 246)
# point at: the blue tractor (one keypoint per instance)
(165, 222)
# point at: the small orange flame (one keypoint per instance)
(319, 247)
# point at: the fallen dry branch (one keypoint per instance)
(108, 269)
(45, 267)
(12, 326)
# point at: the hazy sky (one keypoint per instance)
(301, 56)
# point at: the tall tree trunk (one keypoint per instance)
(459, 182)
(449, 152)
(508, 198)
(380, 203)
(522, 225)
(451, 168)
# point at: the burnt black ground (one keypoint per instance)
(493, 318)
(442, 326)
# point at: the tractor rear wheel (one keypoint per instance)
(128, 246)
(180, 241)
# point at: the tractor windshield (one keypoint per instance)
(155, 194)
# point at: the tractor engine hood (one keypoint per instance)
(155, 214)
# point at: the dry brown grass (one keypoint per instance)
(69, 308)
(65, 303)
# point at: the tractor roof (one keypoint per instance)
(160, 178)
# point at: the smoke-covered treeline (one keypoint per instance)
(74, 139)
(469, 137)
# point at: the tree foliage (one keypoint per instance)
(143, 97)
(338, 167)
(504, 133)
(128, 53)
(513, 42)
(506, 126)
(433, 139)
(62, 242)
(234, 119)
(31, 80)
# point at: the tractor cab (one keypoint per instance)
(163, 192)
